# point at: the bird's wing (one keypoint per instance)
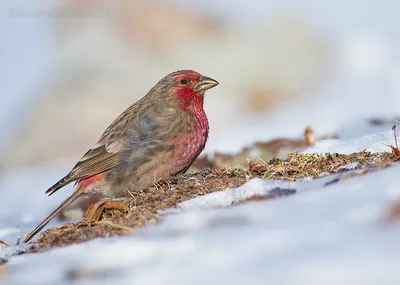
(105, 154)
(101, 157)
(98, 159)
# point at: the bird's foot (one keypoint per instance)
(96, 209)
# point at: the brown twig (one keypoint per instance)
(395, 148)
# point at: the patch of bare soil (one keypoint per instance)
(144, 209)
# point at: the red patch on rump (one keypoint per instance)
(83, 183)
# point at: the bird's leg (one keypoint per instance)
(96, 209)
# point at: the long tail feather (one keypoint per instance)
(63, 205)
(64, 181)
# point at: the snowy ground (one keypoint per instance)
(331, 234)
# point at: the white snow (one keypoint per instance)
(323, 235)
(375, 142)
(23, 202)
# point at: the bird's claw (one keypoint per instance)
(96, 209)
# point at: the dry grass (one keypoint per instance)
(144, 209)
(395, 148)
(299, 165)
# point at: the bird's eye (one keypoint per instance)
(184, 81)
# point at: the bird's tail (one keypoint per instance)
(63, 205)
(64, 181)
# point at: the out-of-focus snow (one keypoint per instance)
(324, 235)
(375, 142)
(23, 202)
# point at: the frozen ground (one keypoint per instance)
(327, 233)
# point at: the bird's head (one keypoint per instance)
(189, 81)
(188, 87)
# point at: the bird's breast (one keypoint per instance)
(189, 146)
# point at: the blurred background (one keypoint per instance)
(69, 67)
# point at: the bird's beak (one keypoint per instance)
(204, 84)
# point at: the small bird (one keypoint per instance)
(157, 137)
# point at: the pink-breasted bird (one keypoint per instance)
(157, 137)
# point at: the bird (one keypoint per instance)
(157, 137)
